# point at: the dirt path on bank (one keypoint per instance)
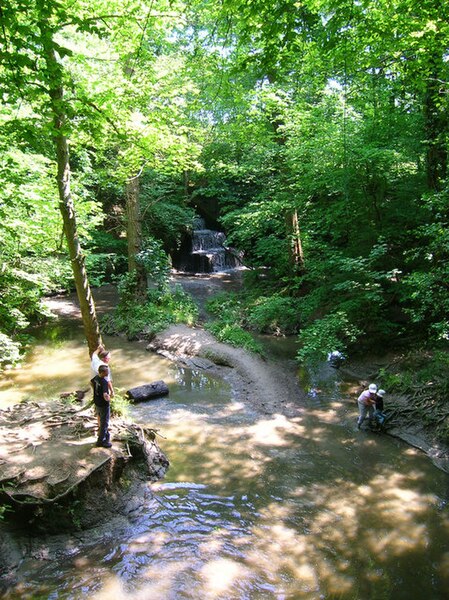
(268, 385)
(271, 386)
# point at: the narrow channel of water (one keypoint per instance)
(253, 506)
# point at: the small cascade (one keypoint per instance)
(208, 252)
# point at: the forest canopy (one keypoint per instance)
(313, 133)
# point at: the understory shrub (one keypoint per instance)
(56, 275)
(155, 263)
(426, 369)
(146, 318)
(332, 332)
(20, 306)
(120, 404)
(234, 335)
(9, 351)
(273, 314)
(228, 327)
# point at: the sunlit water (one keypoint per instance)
(253, 506)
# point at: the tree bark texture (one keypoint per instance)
(134, 232)
(66, 206)
(297, 253)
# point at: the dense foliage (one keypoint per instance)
(316, 130)
(143, 317)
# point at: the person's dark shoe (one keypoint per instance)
(103, 445)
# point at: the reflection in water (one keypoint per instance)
(192, 380)
(257, 507)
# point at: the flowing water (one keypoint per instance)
(254, 506)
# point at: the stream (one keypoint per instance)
(254, 505)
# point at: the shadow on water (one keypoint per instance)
(255, 506)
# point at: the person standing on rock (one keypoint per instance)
(366, 402)
(101, 356)
(102, 401)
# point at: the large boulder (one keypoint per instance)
(148, 391)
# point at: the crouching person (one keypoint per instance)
(366, 402)
(102, 401)
(379, 414)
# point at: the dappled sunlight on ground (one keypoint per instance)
(328, 534)
(269, 507)
(254, 505)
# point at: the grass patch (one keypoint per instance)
(157, 312)
(234, 335)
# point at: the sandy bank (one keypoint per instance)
(269, 386)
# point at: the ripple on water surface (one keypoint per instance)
(253, 506)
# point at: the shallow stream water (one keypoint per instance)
(254, 506)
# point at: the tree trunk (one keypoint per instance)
(56, 92)
(86, 301)
(134, 232)
(297, 253)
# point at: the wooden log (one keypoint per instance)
(148, 391)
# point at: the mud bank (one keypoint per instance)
(272, 387)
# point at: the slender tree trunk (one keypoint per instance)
(134, 232)
(86, 301)
(56, 92)
(297, 253)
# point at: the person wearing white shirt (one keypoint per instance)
(102, 357)
(366, 402)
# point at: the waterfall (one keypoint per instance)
(208, 251)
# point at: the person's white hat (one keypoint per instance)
(372, 388)
(381, 393)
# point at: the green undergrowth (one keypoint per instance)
(230, 324)
(238, 315)
(120, 404)
(332, 332)
(144, 319)
(234, 335)
(254, 311)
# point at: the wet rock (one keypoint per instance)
(196, 363)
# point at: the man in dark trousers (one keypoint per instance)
(102, 401)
